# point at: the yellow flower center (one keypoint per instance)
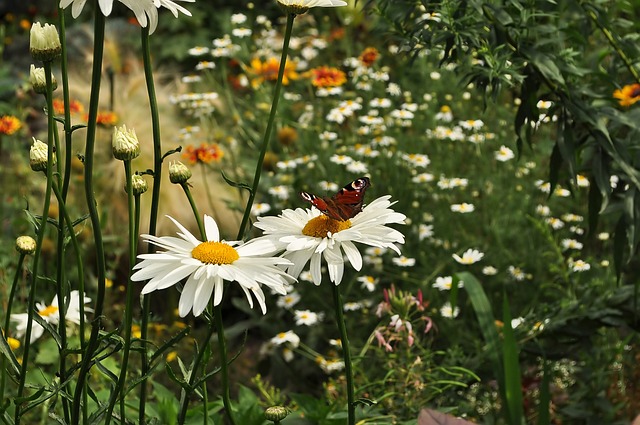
(215, 253)
(320, 226)
(48, 311)
(14, 344)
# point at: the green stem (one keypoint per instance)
(608, 34)
(61, 204)
(7, 320)
(184, 399)
(219, 326)
(194, 208)
(224, 370)
(155, 202)
(92, 345)
(62, 292)
(346, 352)
(128, 312)
(67, 107)
(40, 237)
(269, 130)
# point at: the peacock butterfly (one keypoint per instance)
(343, 205)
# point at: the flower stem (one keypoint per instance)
(346, 352)
(7, 320)
(128, 312)
(40, 237)
(269, 130)
(155, 202)
(224, 370)
(67, 106)
(194, 208)
(92, 345)
(217, 325)
(184, 399)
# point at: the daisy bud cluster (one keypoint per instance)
(44, 42)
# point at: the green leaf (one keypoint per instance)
(482, 308)
(544, 417)
(619, 244)
(233, 183)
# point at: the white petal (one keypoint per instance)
(185, 233)
(106, 6)
(186, 299)
(219, 286)
(352, 254)
(211, 229)
(316, 273)
(203, 295)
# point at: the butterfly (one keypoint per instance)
(343, 205)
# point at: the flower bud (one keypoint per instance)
(276, 413)
(38, 156)
(125, 144)
(38, 80)
(179, 173)
(139, 184)
(45, 42)
(25, 245)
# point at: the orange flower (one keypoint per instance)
(106, 119)
(268, 71)
(74, 106)
(325, 76)
(369, 56)
(628, 95)
(9, 124)
(205, 154)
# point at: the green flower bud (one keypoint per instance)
(38, 156)
(125, 144)
(25, 245)
(139, 184)
(276, 413)
(38, 80)
(179, 173)
(45, 42)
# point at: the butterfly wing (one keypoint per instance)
(349, 200)
(345, 204)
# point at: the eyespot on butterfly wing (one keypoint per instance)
(345, 204)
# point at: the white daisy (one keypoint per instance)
(449, 312)
(146, 11)
(301, 6)
(444, 283)
(51, 314)
(368, 282)
(462, 208)
(470, 256)
(288, 337)
(289, 300)
(307, 317)
(307, 235)
(504, 154)
(206, 265)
